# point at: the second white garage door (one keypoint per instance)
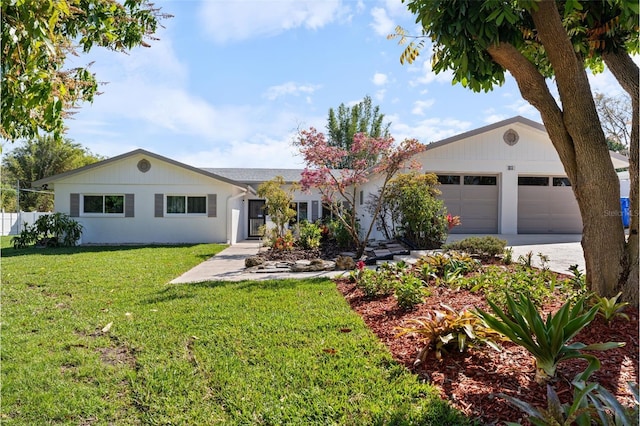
(475, 199)
(546, 205)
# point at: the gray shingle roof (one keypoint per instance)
(249, 176)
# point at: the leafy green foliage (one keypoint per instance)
(418, 216)
(592, 404)
(37, 37)
(309, 235)
(487, 246)
(52, 230)
(610, 308)
(362, 117)
(448, 328)
(277, 204)
(41, 157)
(409, 291)
(546, 340)
(336, 232)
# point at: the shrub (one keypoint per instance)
(487, 246)
(450, 328)
(335, 231)
(309, 235)
(546, 340)
(409, 291)
(52, 230)
(419, 216)
(373, 283)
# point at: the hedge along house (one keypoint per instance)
(505, 178)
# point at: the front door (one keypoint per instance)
(257, 217)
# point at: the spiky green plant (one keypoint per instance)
(610, 308)
(547, 341)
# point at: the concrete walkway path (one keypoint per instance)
(228, 265)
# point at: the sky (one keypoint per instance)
(229, 82)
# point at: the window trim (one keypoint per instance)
(103, 213)
(186, 205)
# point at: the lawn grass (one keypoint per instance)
(272, 352)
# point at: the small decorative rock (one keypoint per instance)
(252, 261)
(345, 263)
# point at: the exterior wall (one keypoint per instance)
(123, 177)
(488, 154)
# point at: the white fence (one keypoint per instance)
(14, 223)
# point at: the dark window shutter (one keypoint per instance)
(314, 211)
(129, 206)
(212, 205)
(74, 208)
(158, 205)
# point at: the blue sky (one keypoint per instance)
(229, 81)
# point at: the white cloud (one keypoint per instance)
(230, 21)
(420, 106)
(428, 130)
(289, 88)
(382, 24)
(426, 73)
(379, 95)
(525, 109)
(280, 152)
(494, 118)
(380, 79)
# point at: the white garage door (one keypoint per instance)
(475, 199)
(546, 205)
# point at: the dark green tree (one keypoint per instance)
(543, 42)
(37, 36)
(344, 123)
(39, 158)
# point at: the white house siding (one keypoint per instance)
(123, 177)
(484, 152)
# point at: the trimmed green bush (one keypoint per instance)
(487, 246)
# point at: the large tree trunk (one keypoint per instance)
(627, 73)
(577, 135)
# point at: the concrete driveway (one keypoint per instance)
(562, 250)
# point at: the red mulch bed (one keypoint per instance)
(471, 380)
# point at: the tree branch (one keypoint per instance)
(534, 89)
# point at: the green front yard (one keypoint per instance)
(96, 335)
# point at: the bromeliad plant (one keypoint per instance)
(547, 341)
(591, 404)
(610, 308)
(450, 328)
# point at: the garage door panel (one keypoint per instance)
(548, 209)
(477, 206)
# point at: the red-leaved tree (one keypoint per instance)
(340, 187)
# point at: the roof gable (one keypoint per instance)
(52, 179)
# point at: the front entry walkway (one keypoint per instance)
(228, 265)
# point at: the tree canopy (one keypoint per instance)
(479, 41)
(38, 35)
(363, 118)
(39, 158)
